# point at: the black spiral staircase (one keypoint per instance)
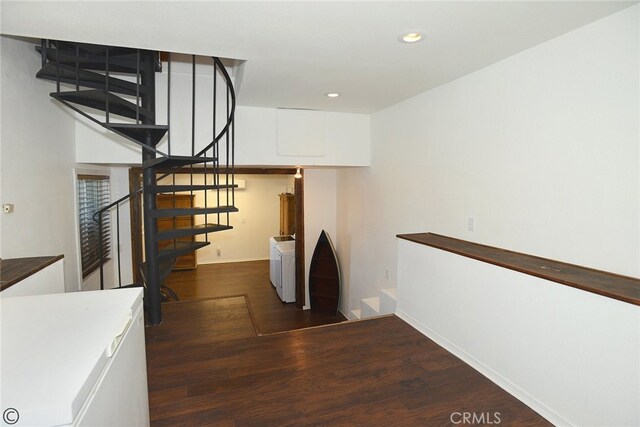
(115, 87)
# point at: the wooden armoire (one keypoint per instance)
(287, 214)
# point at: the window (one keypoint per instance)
(93, 194)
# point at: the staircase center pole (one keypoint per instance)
(152, 290)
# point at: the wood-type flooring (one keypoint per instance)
(249, 278)
(207, 365)
(376, 372)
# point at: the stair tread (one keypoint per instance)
(121, 63)
(136, 126)
(175, 249)
(172, 161)
(138, 132)
(190, 231)
(96, 98)
(87, 78)
(186, 187)
(93, 49)
(388, 300)
(370, 307)
(199, 226)
(390, 292)
(169, 212)
(373, 302)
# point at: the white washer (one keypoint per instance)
(286, 286)
(274, 259)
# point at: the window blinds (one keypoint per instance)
(93, 194)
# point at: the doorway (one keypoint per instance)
(135, 182)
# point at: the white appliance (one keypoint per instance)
(274, 259)
(74, 359)
(274, 262)
(286, 268)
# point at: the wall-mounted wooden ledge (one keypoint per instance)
(14, 270)
(599, 282)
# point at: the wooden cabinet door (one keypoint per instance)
(287, 214)
(187, 261)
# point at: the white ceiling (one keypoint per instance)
(296, 52)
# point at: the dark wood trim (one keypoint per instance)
(135, 208)
(14, 270)
(604, 283)
(300, 279)
(93, 177)
(238, 171)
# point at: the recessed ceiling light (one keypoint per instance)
(411, 37)
(333, 94)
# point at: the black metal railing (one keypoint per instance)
(214, 167)
(101, 67)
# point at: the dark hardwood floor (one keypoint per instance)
(252, 280)
(216, 360)
(207, 367)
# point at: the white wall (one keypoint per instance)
(257, 220)
(542, 149)
(1, 199)
(346, 136)
(346, 139)
(319, 213)
(37, 162)
(571, 355)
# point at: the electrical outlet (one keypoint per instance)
(7, 208)
(386, 274)
(219, 251)
(471, 223)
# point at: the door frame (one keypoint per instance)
(135, 207)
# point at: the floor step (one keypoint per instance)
(388, 299)
(97, 99)
(190, 231)
(186, 187)
(86, 78)
(356, 314)
(139, 133)
(176, 249)
(370, 307)
(161, 213)
(176, 161)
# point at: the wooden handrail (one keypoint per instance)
(604, 283)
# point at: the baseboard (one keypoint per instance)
(494, 376)
(226, 261)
